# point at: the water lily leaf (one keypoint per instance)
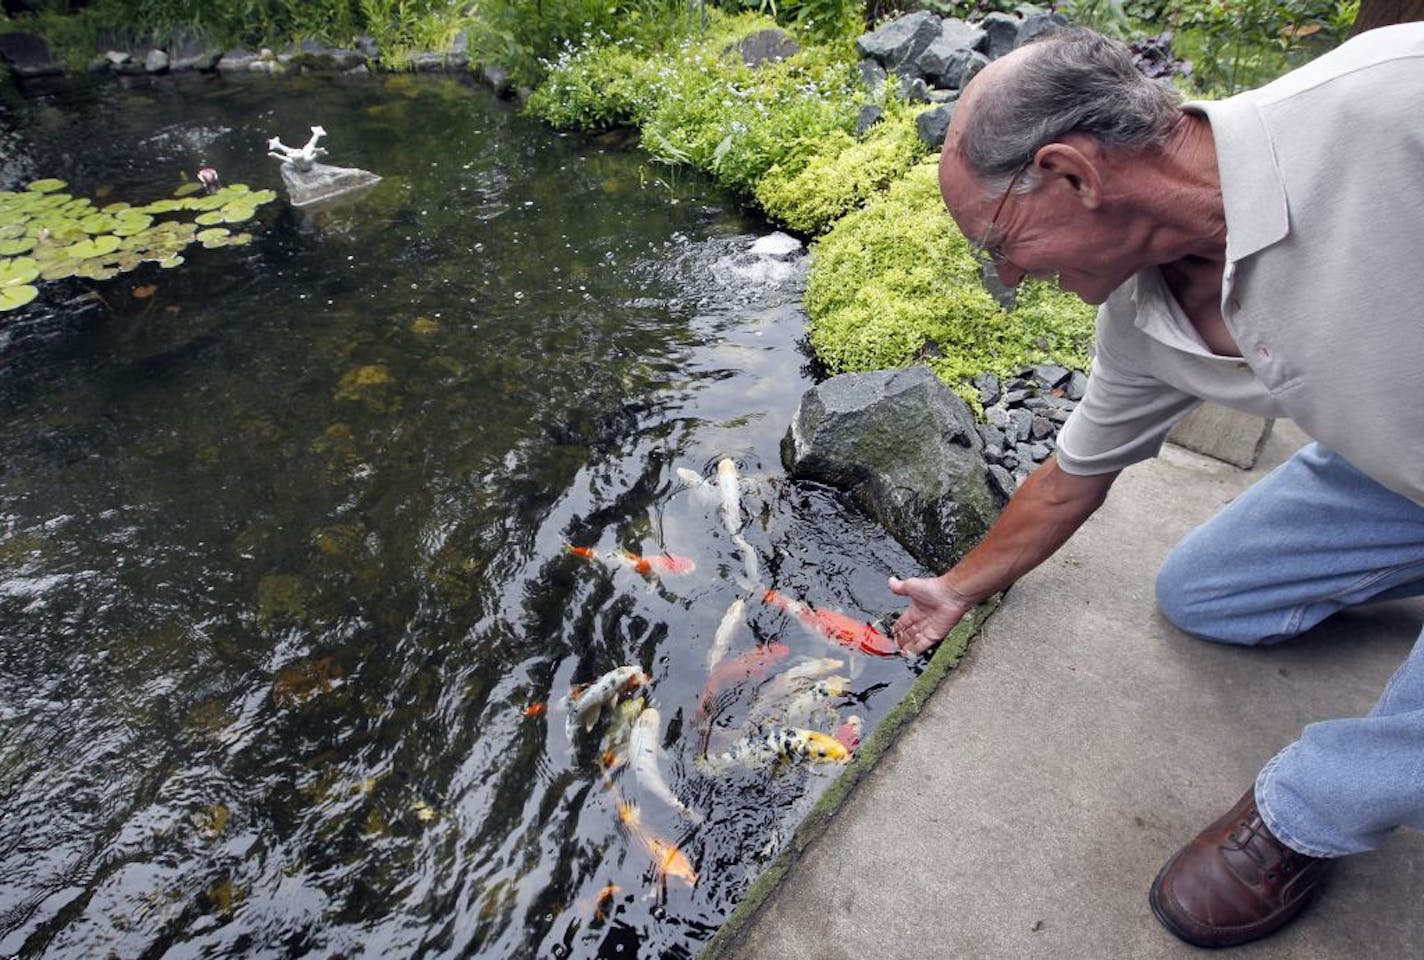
(130, 225)
(97, 271)
(17, 272)
(59, 270)
(187, 188)
(171, 262)
(236, 189)
(214, 202)
(144, 291)
(13, 298)
(260, 197)
(215, 243)
(12, 230)
(47, 185)
(239, 239)
(212, 233)
(95, 247)
(118, 207)
(8, 248)
(78, 209)
(234, 213)
(161, 206)
(98, 223)
(209, 218)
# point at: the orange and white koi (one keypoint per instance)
(661, 564)
(835, 626)
(585, 703)
(848, 733)
(668, 858)
(752, 665)
(643, 754)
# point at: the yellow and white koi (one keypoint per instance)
(585, 703)
(788, 743)
(722, 639)
(643, 754)
(620, 731)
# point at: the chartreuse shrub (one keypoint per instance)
(896, 277)
(699, 104)
(809, 196)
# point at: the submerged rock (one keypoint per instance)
(906, 448)
(323, 182)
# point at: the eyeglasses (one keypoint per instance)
(993, 257)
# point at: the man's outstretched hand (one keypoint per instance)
(935, 607)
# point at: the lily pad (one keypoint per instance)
(12, 230)
(13, 298)
(18, 271)
(98, 223)
(60, 270)
(96, 247)
(48, 185)
(235, 213)
(187, 188)
(239, 240)
(171, 262)
(117, 207)
(212, 233)
(8, 248)
(131, 224)
(209, 218)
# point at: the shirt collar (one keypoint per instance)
(1257, 213)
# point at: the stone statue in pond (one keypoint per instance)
(307, 180)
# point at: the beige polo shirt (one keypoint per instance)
(1322, 177)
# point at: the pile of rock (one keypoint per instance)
(1022, 416)
(933, 57)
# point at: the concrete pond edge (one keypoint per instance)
(818, 821)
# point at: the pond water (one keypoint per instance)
(287, 610)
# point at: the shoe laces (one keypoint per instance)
(1251, 837)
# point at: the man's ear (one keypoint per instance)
(1072, 169)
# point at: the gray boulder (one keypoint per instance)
(1038, 25)
(767, 46)
(870, 114)
(901, 40)
(906, 449)
(237, 60)
(933, 125)
(156, 61)
(955, 35)
(28, 55)
(1003, 33)
(314, 55)
(963, 66)
(873, 75)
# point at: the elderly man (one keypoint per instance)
(1265, 252)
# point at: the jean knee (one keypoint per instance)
(1195, 604)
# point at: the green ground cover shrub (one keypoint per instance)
(843, 173)
(699, 104)
(894, 283)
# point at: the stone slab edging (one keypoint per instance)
(871, 749)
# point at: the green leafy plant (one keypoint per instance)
(46, 234)
(809, 195)
(894, 283)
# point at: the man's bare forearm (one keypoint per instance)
(1039, 519)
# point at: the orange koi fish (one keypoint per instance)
(663, 564)
(668, 858)
(755, 664)
(535, 709)
(835, 626)
(601, 906)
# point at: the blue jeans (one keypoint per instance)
(1312, 537)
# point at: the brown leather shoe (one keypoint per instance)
(1235, 882)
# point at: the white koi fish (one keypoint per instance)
(698, 484)
(791, 681)
(722, 639)
(804, 706)
(729, 485)
(620, 731)
(643, 754)
(585, 703)
(749, 562)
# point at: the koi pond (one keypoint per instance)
(305, 543)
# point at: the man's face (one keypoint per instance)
(1045, 231)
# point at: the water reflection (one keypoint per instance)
(283, 546)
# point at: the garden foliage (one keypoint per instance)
(894, 283)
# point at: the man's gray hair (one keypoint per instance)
(1074, 81)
